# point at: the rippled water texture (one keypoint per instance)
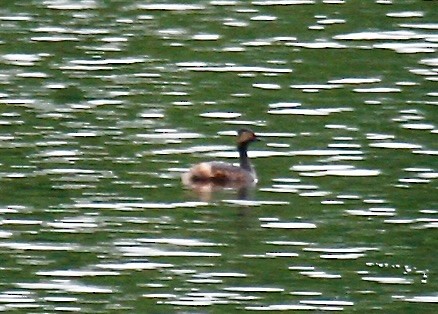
(103, 104)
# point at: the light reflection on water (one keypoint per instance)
(103, 107)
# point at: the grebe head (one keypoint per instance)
(246, 136)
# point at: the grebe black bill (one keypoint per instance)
(225, 174)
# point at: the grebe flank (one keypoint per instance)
(222, 173)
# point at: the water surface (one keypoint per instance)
(104, 104)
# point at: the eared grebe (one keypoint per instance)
(221, 173)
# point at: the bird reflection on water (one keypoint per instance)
(205, 190)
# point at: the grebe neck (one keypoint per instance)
(243, 155)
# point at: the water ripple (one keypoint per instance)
(289, 225)
(318, 45)
(378, 90)
(64, 286)
(308, 112)
(355, 80)
(405, 14)
(408, 47)
(179, 242)
(17, 300)
(171, 7)
(282, 307)
(55, 38)
(395, 145)
(389, 280)
(254, 289)
(132, 206)
(21, 59)
(205, 67)
(330, 303)
(77, 273)
(132, 266)
(372, 212)
(282, 2)
(333, 170)
(40, 246)
(320, 274)
(130, 251)
(342, 253)
(220, 115)
(422, 299)
(384, 35)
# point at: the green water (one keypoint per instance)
(103, 104)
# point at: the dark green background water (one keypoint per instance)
(104, 103)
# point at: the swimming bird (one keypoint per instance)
(226, 174)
